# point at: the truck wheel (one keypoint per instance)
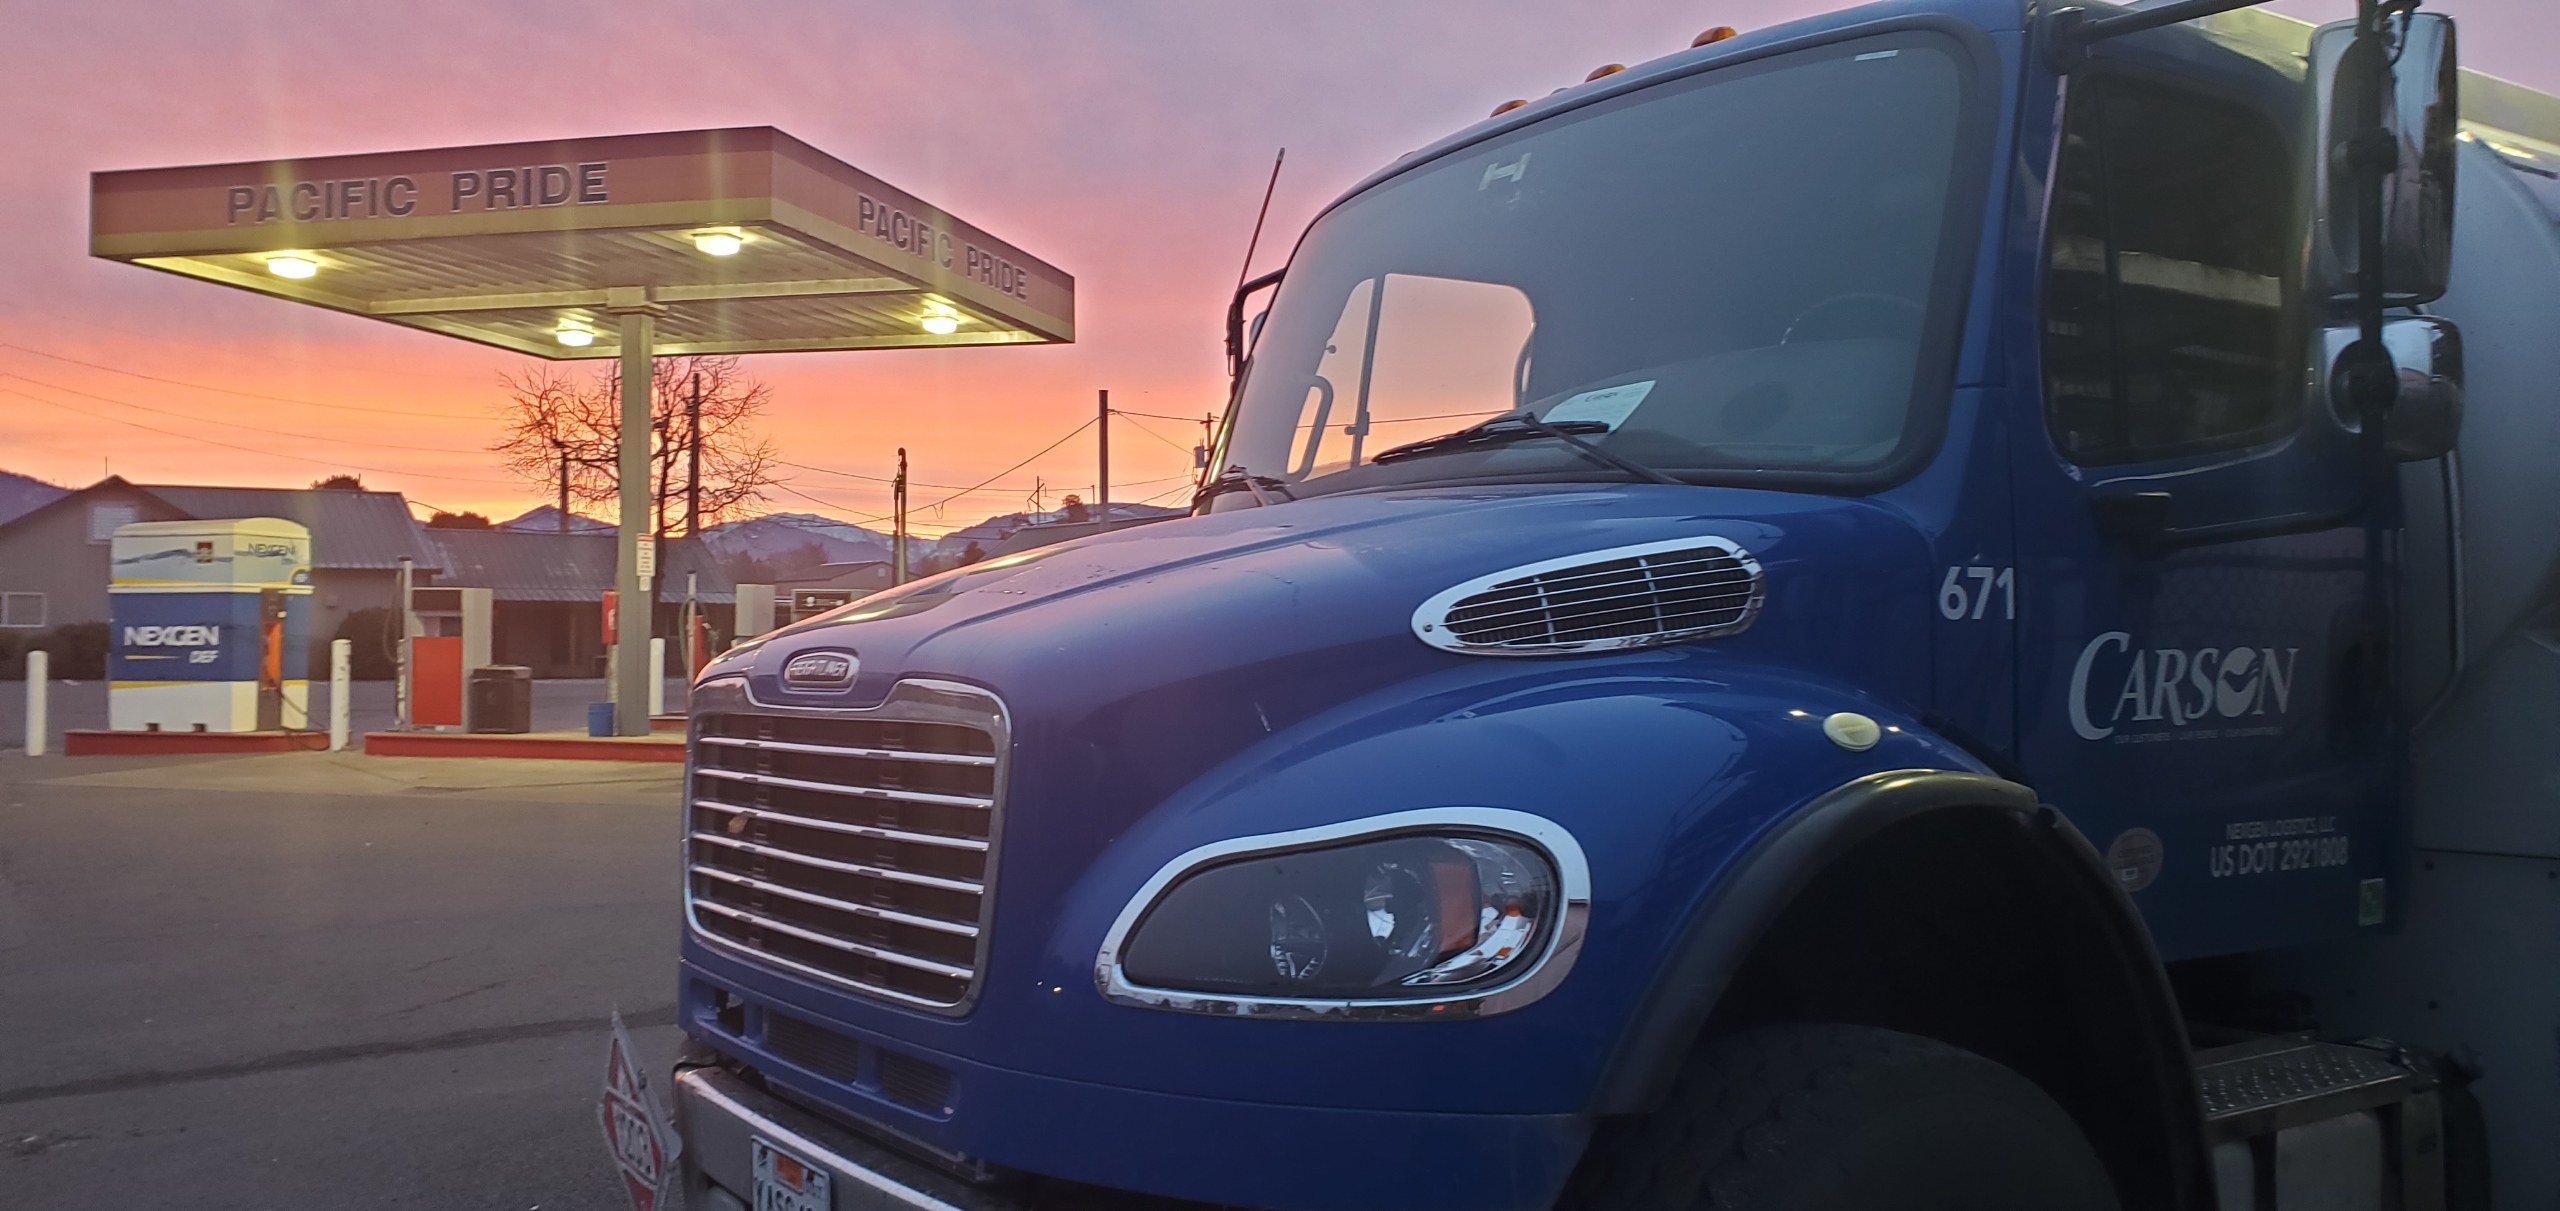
(1843, 1118)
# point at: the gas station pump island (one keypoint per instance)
(732, 241)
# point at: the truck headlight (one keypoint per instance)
(1415, 916)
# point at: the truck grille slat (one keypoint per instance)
(850, 868)
(877, 754)
(868, 952)
(1624, 597)
(867, 792)
(954, 928)
(854, 847)
(854, 830)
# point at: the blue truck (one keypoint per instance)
(1946, 605)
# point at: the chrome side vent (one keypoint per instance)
(1624, 597)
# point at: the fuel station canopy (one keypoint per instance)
(742, 240)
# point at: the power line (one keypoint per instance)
(1188, 420)
(317, 462)
(1071, 433)
(234, 424)
(279, 399)
(1152, 433)
(879, 479)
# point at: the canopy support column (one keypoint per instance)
(632, 599)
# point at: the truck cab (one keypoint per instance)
(1817, 622)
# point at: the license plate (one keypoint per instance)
(786, 1183)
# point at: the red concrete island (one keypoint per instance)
(97, 743)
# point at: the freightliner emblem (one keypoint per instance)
(820, 671)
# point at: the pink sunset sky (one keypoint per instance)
(1125, 142)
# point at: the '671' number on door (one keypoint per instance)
(1957, 601)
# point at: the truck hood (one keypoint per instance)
(1191, 638)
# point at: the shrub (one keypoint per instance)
(76, 651)
(373, 637)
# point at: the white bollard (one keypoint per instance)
(657, 677)
(341, 691)
(39, 666)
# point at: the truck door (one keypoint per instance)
(2208, 711)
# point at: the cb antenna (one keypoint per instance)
(1256, 241)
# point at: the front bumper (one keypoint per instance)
(719, 1114)
(1059, 1144)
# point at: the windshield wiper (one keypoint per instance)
(1520, 424)
(1237, 479)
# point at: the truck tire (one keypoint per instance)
(1843, 1118)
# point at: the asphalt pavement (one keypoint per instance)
(315, 980)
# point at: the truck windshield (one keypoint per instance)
(1738, 272)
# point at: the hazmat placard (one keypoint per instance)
(639, 1134)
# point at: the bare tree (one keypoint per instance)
(561, 422)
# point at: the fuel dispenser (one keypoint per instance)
(448, 636)
(209, 626)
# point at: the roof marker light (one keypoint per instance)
(292, 265)
(1605, 69)
(1506, 107)
(1713, 36)
(718, 242)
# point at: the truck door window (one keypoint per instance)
(2169, 276)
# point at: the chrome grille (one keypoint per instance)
(1638, 596)
(854, 847)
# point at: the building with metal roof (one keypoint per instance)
(54, 558)
(547, 592)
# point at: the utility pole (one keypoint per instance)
(898, 539)
(1102, 479)
(693, 460)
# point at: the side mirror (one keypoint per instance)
(2427, 418)
(2418, 111)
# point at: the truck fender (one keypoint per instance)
(2137, 1069)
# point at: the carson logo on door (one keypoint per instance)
(2175, 688)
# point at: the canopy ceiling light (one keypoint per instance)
(292, 265)
(574, 334)
(718, 242)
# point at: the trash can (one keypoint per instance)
(502, 698)
(599, 718)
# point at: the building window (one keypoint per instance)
(21, 610)
(2169, 310)
(103, 520)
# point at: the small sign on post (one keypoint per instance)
(640, 1135)
(648, 557)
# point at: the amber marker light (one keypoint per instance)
(292, 265)
(1507, 107)
(1605, 69)
(1713, 36)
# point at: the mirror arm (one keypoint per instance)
(1235, 318)
(2372, 380)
